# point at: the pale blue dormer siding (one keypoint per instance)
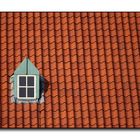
(26, 68)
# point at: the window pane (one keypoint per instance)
(22, 92)
(22, 81)
(30, 81)
(30, 92)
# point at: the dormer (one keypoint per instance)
(27, 83)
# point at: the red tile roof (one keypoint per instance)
(92, 63)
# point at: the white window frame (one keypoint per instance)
(18, 86)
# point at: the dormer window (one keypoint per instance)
(27, 84)
(26, 88)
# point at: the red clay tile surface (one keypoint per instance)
(92, 63)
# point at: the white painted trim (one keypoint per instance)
(26, 87)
